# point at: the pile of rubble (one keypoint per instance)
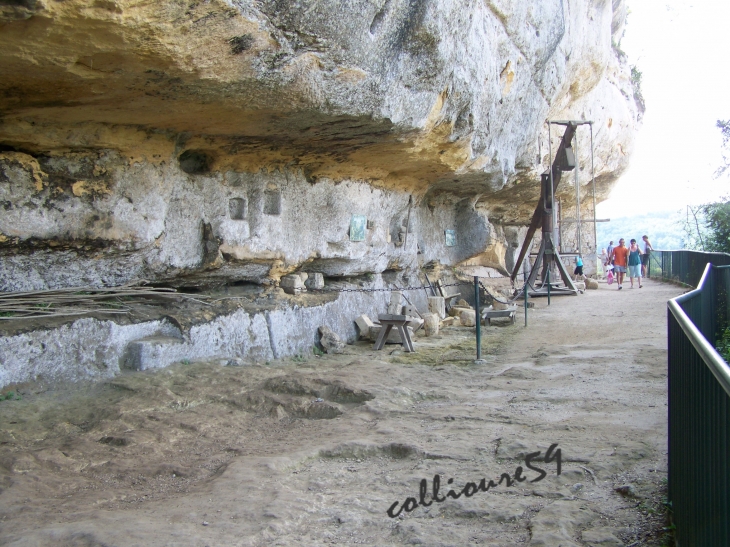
(299, 282)
(441, 313)
(459, 314)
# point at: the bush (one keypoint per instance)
(636, 76)
(723, 345)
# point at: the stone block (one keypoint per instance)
(468, 318)
(292, 284)
(304, 276)
(150, 352)
(591, 284)
(497, 305)
(431, 324)
(363, 324)
(449, 321)
(330, 341)
(411, 311)
(315, 281)
(415, 323)
(455, 311)
(463, 303)
(394, 308)
(437, 305)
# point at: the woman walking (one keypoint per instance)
(634, 263)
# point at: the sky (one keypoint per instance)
(682, 48)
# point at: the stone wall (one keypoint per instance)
(204, 144)
(91, 348)
(91, 220)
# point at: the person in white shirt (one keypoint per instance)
(645, 256)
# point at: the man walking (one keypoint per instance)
(609, 251)
(645, 256)
(619, 256)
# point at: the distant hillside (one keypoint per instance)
(665, 230)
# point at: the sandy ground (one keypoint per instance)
(316, 450)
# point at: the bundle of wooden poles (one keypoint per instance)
(82, 300)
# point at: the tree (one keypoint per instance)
(724, 127)
(708, 226)
(717, 222)
(694, 229)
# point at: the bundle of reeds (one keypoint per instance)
(83, 300)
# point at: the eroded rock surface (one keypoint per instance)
(198, 143)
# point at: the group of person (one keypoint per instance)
(632, 260)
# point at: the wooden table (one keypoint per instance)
(387, 322)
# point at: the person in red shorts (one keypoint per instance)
(620, 256)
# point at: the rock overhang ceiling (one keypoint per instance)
(412, 93)
(445, 101)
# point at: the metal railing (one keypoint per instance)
(699, 410)
(683, 266)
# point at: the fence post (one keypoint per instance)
(479, 319)
(526, 291)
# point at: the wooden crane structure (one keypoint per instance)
(544, 215)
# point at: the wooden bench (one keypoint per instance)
(448, 298)
(400, 322)
(489, 313)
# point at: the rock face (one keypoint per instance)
(232, 140)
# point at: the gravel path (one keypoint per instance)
(318, 450)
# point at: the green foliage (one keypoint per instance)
(636, 76)
(717, 222)
(10, 396)
(724, 127)
(723, 345)
(318, 352)
(664, 229)
(707, 227)
(620, 53)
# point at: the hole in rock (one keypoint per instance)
(272, 200)
(378, 19)
(242, 43)
(237, 208)
(195, 162)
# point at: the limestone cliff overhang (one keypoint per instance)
(427, 97)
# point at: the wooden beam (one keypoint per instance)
(560, 159)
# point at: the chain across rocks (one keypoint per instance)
(402, 289)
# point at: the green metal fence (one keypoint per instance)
(684, 266)
(699, 407)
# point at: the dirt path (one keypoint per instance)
(315, 451)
